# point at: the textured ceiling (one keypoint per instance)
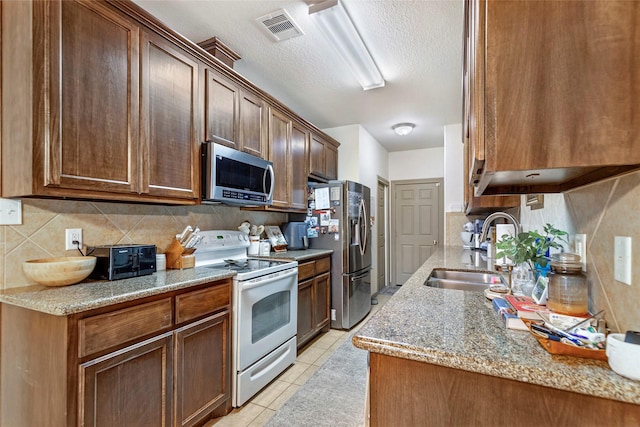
(417, 45)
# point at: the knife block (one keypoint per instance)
(178, 257)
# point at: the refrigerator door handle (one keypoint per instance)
(361, 275)
(362, 228)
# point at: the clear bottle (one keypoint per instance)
(568, 289)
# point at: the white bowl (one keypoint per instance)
(467, 238)
(60, 271)
(624, 357)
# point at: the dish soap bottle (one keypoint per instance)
(568, 289)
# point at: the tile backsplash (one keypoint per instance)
(44, 221)
(601, 211)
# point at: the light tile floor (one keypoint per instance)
(261, 407)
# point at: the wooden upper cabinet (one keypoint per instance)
(253, 117)
(331, 161)
(298, 166)
(169, 112)
(552, 88)
(89, 84)
(109, 108)
(288, 151)
(234, 116)
(323, 158)
(475, 204)
(222, 110)
(279, 154)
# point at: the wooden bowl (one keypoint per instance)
(59, 271)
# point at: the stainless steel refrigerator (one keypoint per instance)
(339, 216)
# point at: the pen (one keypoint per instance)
(563, 334)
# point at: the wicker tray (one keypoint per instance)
(556, 347)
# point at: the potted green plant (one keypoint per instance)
(530, 249)
(531, 246)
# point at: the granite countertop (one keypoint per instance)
(66, 300)
(460, 329)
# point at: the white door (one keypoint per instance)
(418, 224)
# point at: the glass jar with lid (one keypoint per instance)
(568, 289)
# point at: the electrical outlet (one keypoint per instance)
(71, 235)
(10, 211)
(622, 259)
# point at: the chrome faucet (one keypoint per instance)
(488, 220)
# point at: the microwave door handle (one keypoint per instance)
(269, 170)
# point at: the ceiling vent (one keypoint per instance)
(280, 25)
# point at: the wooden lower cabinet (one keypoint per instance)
(202, 370)
(405, 392)
(129, 387)
(314, 299)
(169, 367)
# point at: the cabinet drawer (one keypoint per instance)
(306, 270)
(194, 304)
(111, 329)
(323, 265)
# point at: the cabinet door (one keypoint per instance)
(169, 138)
(322, 303)
(323, 158)
(252, 125)
(331, 161)
(298, 166)
(131, 387)
(87, 103)
(316, 156)
(475, 14)
(279, 145)
(222, 109)
(580, 110)
(306, 323)
(203, 369)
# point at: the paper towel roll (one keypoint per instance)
(501, 230)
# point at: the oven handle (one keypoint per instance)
(273, 277)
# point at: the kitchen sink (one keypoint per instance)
(464, 280)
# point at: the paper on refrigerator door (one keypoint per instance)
(322, 198)
(325, 218)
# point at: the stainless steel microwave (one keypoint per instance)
(233, 177)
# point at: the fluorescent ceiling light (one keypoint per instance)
(403, 129)
(339, 29)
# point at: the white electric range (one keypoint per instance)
(265, 305)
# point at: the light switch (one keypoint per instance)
(10, 211)
(622, 259)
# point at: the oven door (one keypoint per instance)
(266, 315)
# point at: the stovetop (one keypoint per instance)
(227, 249)
(248, 264)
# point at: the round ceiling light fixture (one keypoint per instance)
(403, 129)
